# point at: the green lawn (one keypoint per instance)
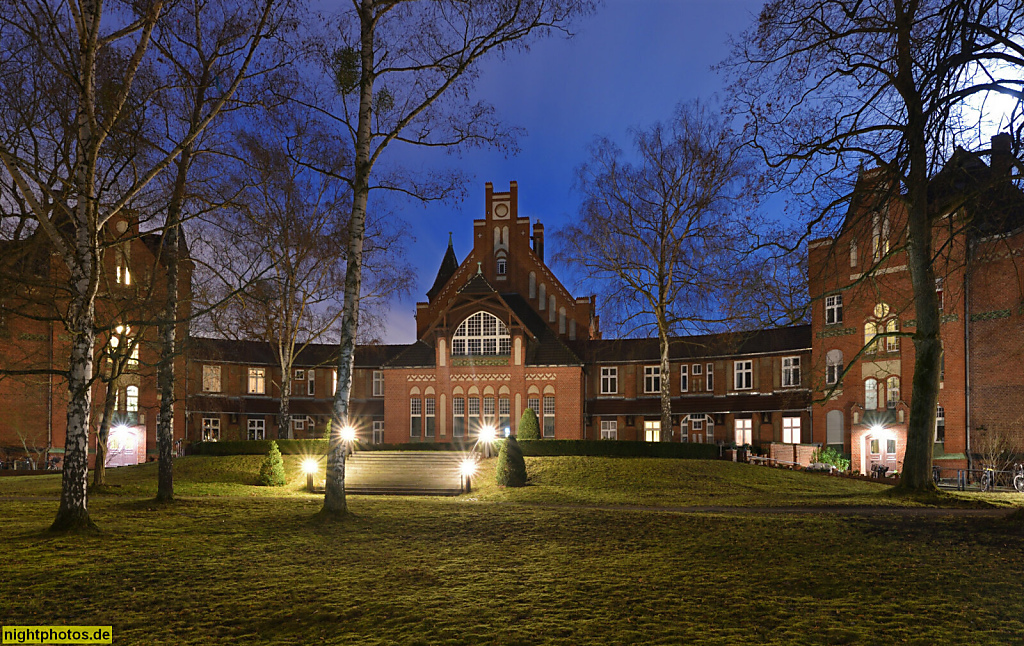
(235, 563)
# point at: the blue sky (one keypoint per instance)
(628, 65)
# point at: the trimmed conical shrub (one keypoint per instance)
(511, 469)
(529, 428)
(272, 469)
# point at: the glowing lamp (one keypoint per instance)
(877, 428)
(310, 466)
(347, 433)
(487, 434)
(468, 467)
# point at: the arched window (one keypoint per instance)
(834, 427)
(833, 366)
(131, 399)
(561, 320)
(533, 285)
(892, 391)
(543, 298)
(481, 334)
(870, 394)
(880, 324)
(501, 263)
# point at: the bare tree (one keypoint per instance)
(103, 55)
(661, 235)
(401, 73)
(830, 84)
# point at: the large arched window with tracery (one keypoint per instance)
(481, 334)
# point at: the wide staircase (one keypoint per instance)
(425, 473)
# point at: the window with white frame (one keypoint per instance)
(378, 431)
(131, 399)
(684, 378)
(833, 366)
(504, 415)
(311, 383)
(609, 429)
(892, 392)
(870, 394)
(298, 424)
(892, 342)
(743, 374)
(378, 383)
(211, 379)
(211, 429)
(696, 422)
(939, 293)
(790, 371)
(609, 381)
(502, 264)
(257, 428)
(257, 381)
(481, 334)
(549, 416)
(744, 429)
(791, 430)
(940, 423)
(652, 430)
(428, 416)
(711, 377)
(300, 374)
(833, 309)
(534, 403)
(415, 416)
(458, 416)
(652, 379)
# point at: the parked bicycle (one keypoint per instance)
(1018, 477)
(988, 479)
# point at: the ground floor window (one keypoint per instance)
(458, 417)
(549, 416)
(504, 416)
(211, 429)
(298, 424)
(534, 403)
(378, 431)
(744, 431)
(652, 430)
(415, 416)
(428, 417)
(791, 430)
(257, 429)
(609, 429)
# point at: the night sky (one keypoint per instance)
(627, 65)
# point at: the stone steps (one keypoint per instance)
(405, 473)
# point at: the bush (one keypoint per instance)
(529, 428)
(511, 469)
(272, 469)
(829, 455)
(620, 448)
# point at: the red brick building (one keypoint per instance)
(860, 289)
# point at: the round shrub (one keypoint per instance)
(511, 469)
(272, 468)
(529, 428)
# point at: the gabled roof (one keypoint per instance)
(263, 353)
(477, 285)
(994, 203)
(545, 349)
(417, 355)
(449, 265)
(785, 339)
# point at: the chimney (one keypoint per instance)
(538, 240)
(1002, 159)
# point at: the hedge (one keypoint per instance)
(620, 448)
(260, 447)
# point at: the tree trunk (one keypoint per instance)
(666, 389)
(99, 472)
(284, 431)
(334, 490)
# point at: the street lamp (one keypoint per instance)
(486, 438)
(310, 466)
(468, 470)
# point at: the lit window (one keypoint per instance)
(684, 379)
(833, 366)
(211, 429)
(870, 331)
(892, 342)
(652, 430)
(892, 389)
(131, 399)
(743, 431)
(211, 379)
(791, 371)
(481, 334)
(652, 379)
(791, 430)
(833, 309)
(874, 447)
(609, 429)
(122, 273)
(257, 381)
(743, 375)
(378, 383)
(609, 381)
(870, 394)
(257, 429)
(879, 236)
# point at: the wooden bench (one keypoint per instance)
(425, 473)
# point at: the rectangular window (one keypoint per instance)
(874, 448)
(534, 403)
(458, 417)
(697, 369)
(743, 375)
(609, 381)
(890, 447)
(257, 381)
(744, 431)
(711, 377)
(378, 431)
(501, 266)
(892, 342)
(940, 424)
(892, 392)
(298, 424)
(549, 416)
(300, 374)
(652, 379)
(489, 410)
(652, 430)
(696, 422)
(504, 415)
(211, 429)
(684, 378)
(790, 371)
(791, 430)
(609, 429)
(870, 394)
(415, 416)
(833, 309)
(378, 383)
(334, 383)
(474, 407)
(311, 383)
(211, 379)
(938, 292)
(428, 417)
(257, 429)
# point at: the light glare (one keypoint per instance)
(348, 434)
(310, 466)
(468, 467)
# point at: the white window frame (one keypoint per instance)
(415, 414)
(833, 309)
(378, 431)
(833, 366)
(791, 429)
(257, 428)
(609, 429)
(870, 394)
(534, 403)
(473, 338)
(211, 429)
(429, 409)
(743, 374)
(378, 383)
(311, 383)
(609, 380)
(696, 422)
(892, 392)
(652, 379)
(298, 424)
(710, 377)
(300, 374)
(548, 422)
(684, 378)
(940, 422)
(257, 381)
(502, 266)
(743, 431)
(212, 382)
(652, 430)
(790, 372)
